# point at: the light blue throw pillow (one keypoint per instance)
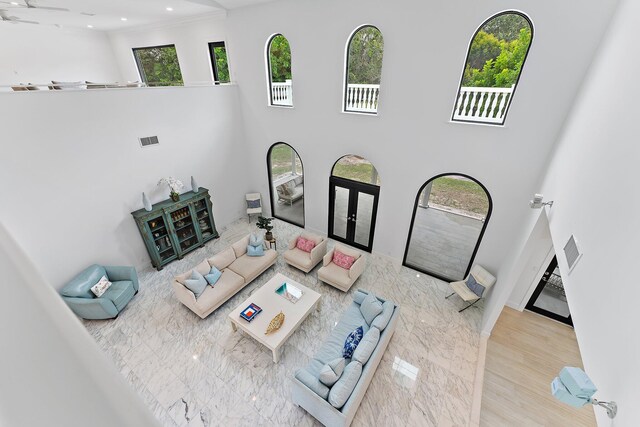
(370, 308)
(256, 240)
(255, 250)
(213, 276)
(331, 372)
(352, 341)
(196, 283)
(367, 346)
(382, 320)
(341, 390)
(474, 286)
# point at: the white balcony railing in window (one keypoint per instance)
(282, 93)
(362, 98)
(482, 104)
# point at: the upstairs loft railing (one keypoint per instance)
(282, 93)
(53, 86)
(482, 104)
(362, 98)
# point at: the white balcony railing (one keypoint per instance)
(482, 104)
(362, 98)
(282, 93)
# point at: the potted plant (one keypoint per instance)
(175, 185)
(265, 224)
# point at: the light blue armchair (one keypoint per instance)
(77, 293)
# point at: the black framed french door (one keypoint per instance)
(549, 298)
(353, 207)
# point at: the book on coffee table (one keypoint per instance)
(250, 312)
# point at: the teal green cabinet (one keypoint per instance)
(171, 229)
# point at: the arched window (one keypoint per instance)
(495, 58)
(286, 183)
(279, 71)
(449, 219)
(363, 70)
(354, 187)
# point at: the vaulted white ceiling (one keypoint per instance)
(107, 15)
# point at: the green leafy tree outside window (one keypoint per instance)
(159, 66)
(280, 59)
(222, 66)
(497, 52)
(365, 56)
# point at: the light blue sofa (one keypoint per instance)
(315, 397)
(78, 296)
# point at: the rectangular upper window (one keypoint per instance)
(158, 65)
(219, 63)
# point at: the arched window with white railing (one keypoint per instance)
(279, 76)
(363, 70)
(495, 58)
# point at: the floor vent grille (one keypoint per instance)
(149, 140)
(571, 252)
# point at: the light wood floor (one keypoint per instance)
(524, 353)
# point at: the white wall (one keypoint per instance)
(191, 38)
(53, 373)
(75, 169)
(592, 180)
(411, 139)
(39, 54)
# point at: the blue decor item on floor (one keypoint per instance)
(353, 339)
(146, 203)
(194, 185)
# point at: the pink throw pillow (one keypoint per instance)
(305, 245)
(342, 260)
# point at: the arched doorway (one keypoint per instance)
(450, 216)
(354, 186)
(286, 183)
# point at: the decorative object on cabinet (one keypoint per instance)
(194, 185)
(146, 202)
(173, 229)
(175, 185)
(265, 224)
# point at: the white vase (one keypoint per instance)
(146, 202)
(194, 185)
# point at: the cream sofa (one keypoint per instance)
(302, 260)
(238, 270)
(338, 277)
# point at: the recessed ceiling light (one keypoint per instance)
(169, 9)
(123, 19)
(89, 26)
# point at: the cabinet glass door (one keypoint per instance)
(204, 219)
(184, 228)
(161, 239)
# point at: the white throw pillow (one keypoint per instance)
(101, 287)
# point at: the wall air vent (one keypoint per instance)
(571, 252)
(148, 140)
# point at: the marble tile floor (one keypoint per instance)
(194, 372)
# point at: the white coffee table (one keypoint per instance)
(272, 304)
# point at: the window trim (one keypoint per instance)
(214, 64)
(268, 68)
(141, 73)
(466, 58)
(273, 200)
(480, 236)
(346, 72)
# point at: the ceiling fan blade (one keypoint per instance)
(62, 9)
(210, 3)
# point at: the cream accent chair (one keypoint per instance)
(482, 276)
(338, 277)
(302, 260)
(254, 199)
